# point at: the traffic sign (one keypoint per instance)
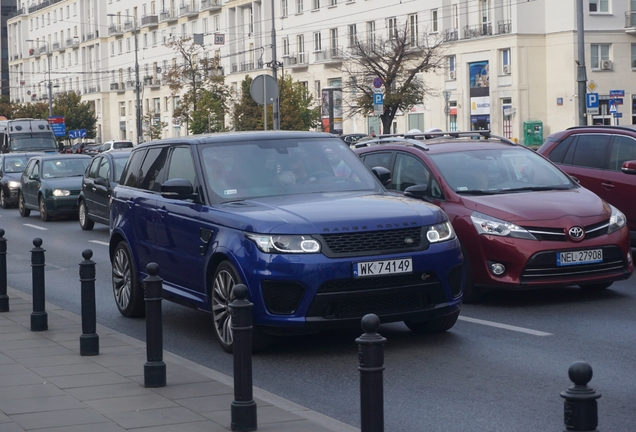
(617, 114)
(77, 133)
(591, 100)
(377, 82)
(57, 125)
(592, 86)
(219, 39)
(378, 109)
(617, 93)
(612, 106)
(378, 99)
(593, 111)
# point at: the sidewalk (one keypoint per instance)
(45, 385)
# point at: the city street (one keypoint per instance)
(501, 368)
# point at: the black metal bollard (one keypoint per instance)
(580, 411)
(39, 317)
(243, 406)
(89, 340)
(371, 367)
(155, 368)
(4, 298)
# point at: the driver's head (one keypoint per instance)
(297, 166)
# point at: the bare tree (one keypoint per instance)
(398, 61)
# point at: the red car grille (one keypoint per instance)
(558, 234)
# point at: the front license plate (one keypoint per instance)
(579, 257)
(379, 268)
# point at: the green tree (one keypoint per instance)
(246, 113)
(77, 114)
(153, 126)
(37, 110)
(399, 62)
(6, 108)
(296, 106)
(199, 85)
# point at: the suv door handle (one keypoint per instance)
(608, 185)
(162, 212)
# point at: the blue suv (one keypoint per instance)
(296, 217)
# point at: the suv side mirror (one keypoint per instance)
(629, 167)
(178, 188)
(383, 174)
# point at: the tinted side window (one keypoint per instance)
(590, 151)
(558, 153)
(104, 169)
(378, 159)
(181, 165)
(130, 176)
(153, 169)
(93, 168)
(409, 171)
(624, 149)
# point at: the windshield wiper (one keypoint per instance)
(537, 188)
(478, 192)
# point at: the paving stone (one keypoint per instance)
(39, 404)
(204, 404)
(184, 391)
(130, 403)
(30, 391)
(20, 354)
(155, 417)
(28, 343)
(21, 379)
(107, 391)
(94, 427)
(85, 380)
(55, 360)
(13, 368)
(74, 369)
(84, 416)
(202, 426)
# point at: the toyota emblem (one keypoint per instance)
(576, 233)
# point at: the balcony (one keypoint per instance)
(211, 5)
(330, 55)
(42, 49)
(504, 26)
(296, 60)
(88, 36)
(128, 25)
(188, 10)
(56, 46)
(115, 29)
(479, 30)
(167, 15)
(630, 23)
(114, 86)
(149, 20)
(42, 5)
(450, 35)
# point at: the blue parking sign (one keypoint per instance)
(378, 99)
(591, 100)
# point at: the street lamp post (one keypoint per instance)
(50, 84)
(137, 84)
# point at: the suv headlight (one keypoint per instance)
(440, 232)
(278, 243)
(13, 184)
(617, 220)
(485, 224)
(61, 192)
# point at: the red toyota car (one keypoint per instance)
(523, 223)
(603, 160)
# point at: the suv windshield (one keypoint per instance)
(14, 164)
(499, 171)
(284, 167)
(36, 141)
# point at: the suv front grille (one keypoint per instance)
(558, 234)
(374, 242)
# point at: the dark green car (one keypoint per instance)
(51, 185)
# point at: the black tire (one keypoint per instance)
(85, 223)
(3, 199)
(596, 286)
(225, 278)
(472, 294)
(44, 214)
(24, 212)
(436, 325)
(129, 295)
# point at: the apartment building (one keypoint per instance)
(507, 62)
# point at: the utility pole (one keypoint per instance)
(275, 103)
(581, 75)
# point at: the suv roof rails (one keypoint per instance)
(416, 139)
(627, 127)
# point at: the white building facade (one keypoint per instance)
(509, 64)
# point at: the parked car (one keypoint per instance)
(115, 145)
(91, 149)
(297, 218)
(51, 184)
(100, 178)
(603, 160)
(522, 222)
(11, 167)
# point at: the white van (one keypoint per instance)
(27, 135)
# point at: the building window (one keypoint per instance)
(451, 67)
(251, 25)
(283, 8)
(285, 46)
(600, 56)
(599, 5)
(316, 4)
(217, 22)
(392, 27)
(434, 21)
(317, 94)
(370, 32)
(299, 6)
(413, 29)
(300, 43)
(352, 35)
(333, 2)
(333, 41)
(505, 61)
(317, 42)
(122, 109)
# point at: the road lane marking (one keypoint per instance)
(505, 326)
(36, 227)
(99, 242)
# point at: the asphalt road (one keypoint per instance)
(501, 368)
